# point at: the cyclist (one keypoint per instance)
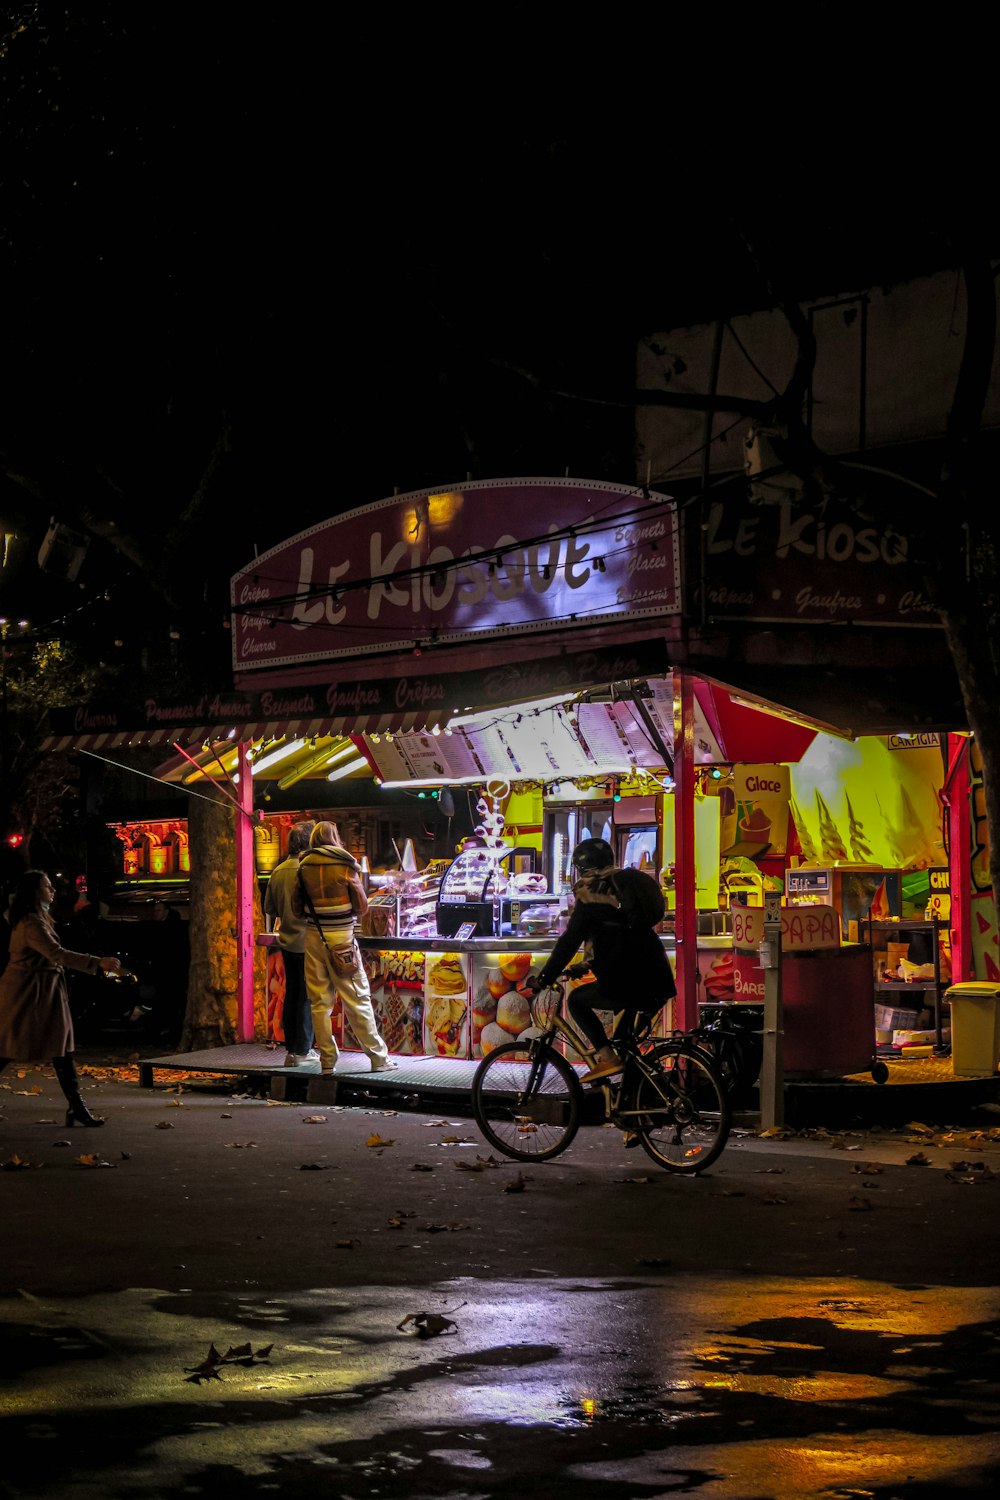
(629, 966)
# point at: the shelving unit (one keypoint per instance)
(880, 934)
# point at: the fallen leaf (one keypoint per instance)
(62, 1143)
(518, 1185)
(91, 1159)
(441, 1228)
(428, 1325)
(163, 1125)
(418, 1166)
(376, 1140)
(125, 1155)
(241, 1145)
(918, 1160)
(316, 1166)
(394, 1224)
(345, 1244)
(772, 1171)
(920, 1129)
(17, 1163)
(635, 1179)
(455, 1140)
(870, 1168)
(241, 1351)
(314, 1120)
(858, 1205)
(481, 1164)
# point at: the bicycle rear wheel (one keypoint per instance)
(682, 1111)
(526, 1100)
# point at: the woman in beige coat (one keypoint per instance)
(35, 1020)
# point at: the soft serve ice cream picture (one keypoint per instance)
(753, 807)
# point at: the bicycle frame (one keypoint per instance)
(614, 1091)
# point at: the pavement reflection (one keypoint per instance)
(723, 1389)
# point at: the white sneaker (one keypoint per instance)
(302, 1060)
(311, 1056)
(384, 1064)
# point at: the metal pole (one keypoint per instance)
(772, 1071)
(244, 898)
(686, 914)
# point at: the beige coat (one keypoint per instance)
(35, 1021)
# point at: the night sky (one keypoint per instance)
(261, 269)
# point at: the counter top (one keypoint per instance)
(470, 945)
(452, 945)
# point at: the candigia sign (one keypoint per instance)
(499, 557)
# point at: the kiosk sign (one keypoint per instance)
(492, 558)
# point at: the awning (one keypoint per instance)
(849, 702)
(99, 741)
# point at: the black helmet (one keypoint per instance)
(593, 854)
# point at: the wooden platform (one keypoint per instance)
(261, 1064)
(919, 1088)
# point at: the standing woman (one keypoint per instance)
(35, 1020)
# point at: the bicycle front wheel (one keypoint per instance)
(526, 1100)
(682, 1111)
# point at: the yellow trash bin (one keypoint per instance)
(975, 1028)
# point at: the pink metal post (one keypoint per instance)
(244, 897)
(686, 915)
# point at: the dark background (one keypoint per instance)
(260, 269)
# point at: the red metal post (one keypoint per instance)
(244, 897)
(686, 916)
(960, 858)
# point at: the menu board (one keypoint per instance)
(603, 736)
(424, 757)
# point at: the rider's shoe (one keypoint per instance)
(606, 1064)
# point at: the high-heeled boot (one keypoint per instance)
(78, 1113)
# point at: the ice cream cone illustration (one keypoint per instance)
(897, 855)
(833, 844)
(921, 851)
(860, 851)
(809, 852)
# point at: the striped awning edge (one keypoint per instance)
(101, 741)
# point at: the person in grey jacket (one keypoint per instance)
(282, 919)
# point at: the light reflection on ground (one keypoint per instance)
(727, 1389)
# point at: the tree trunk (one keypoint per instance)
(210, 1019)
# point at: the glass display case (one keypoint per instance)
(470, 888)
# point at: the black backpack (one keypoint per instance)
(639, 897)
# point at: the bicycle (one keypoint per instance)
(528, 1100)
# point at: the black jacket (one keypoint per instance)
(628, 961)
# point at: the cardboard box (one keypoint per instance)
(888, 1018)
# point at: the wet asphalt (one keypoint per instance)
(215, 1294)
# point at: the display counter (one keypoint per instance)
(442, 998)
